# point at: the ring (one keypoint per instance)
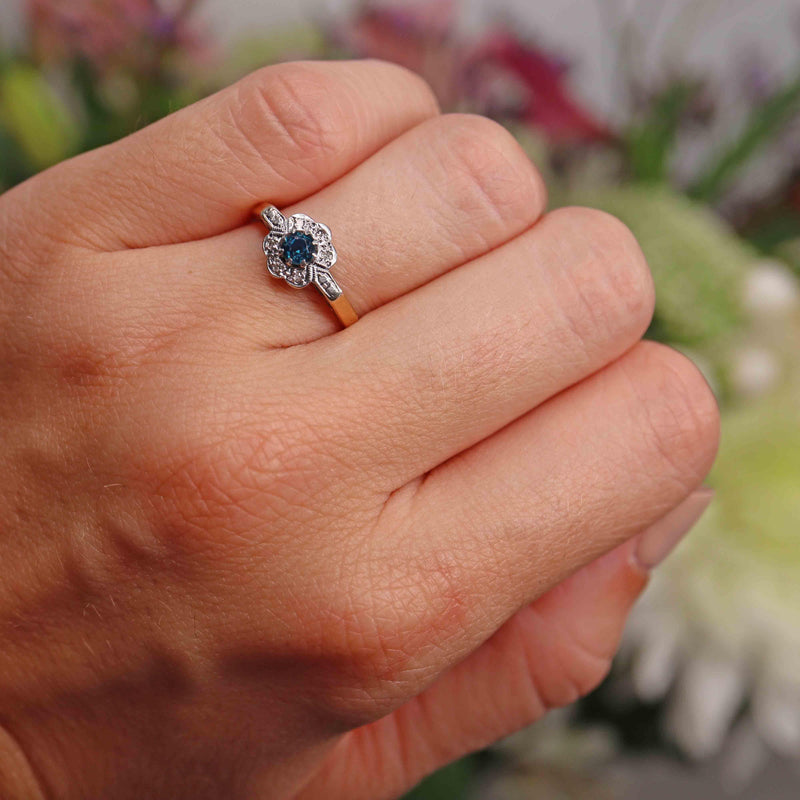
(300, 250)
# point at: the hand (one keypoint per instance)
(249, 555)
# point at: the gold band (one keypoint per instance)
(343, 310)
(306, 259)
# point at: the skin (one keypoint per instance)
(249, 555)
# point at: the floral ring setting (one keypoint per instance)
(300, 251)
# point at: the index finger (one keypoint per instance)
(276, 136)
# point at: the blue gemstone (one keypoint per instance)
(298, 249)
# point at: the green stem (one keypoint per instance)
(765, 122)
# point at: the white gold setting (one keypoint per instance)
(310, 262)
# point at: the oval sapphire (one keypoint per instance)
(298, 249)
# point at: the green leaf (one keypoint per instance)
(450, 783)
(14, 164)
(650, 143)
(764, 123)
(36, 117)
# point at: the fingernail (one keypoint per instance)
(660, 539)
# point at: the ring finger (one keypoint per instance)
(442, 194)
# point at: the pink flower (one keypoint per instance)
(500, 76)
(511, 78)
(419, 37)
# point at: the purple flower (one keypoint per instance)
(109, 33)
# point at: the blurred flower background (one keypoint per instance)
(705, 169)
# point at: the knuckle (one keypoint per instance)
(609, 275)
(577, 657)
(297, 112)
(75, 343)
(487, 171)
(87, 367)
(98, 347)
(363, 645)
(410, 83)
(579, 672)
(678, 412)
(385, 626)
(26, 251)
(223, 484)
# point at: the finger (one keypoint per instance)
(278, 135)
(440, 195)
(442, 368)
(546, 655)
(512, 517)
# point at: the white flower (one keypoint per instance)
(755, 371)
(706, 699)
(717, 634)
(771, 291)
